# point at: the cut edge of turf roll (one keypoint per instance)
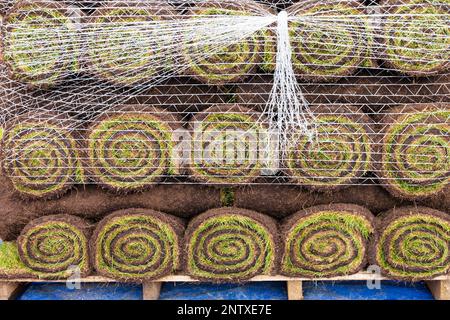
(413, 151)
(217, 128)
(10, 264)
(339, 155)
(326, 241)
(40, 155)
(56, 247)
(130, 148)
(231, 245)
(136, 245)
(412, 243)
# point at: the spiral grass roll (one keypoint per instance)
(215, 64)
(40, 41)
(332, 43)
(130, 148)
(413, 243)
(56, 246)
(40, 155)
(340, 153)
(226, 145)
(415, 151)
(123, 44)
(415, 36)
(137, 245)
(231, 244)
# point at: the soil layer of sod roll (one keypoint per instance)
(40, 154)
(93, 203)
(413, 243)
(231, 244)
(326, 241)
(131, 147)
(340, 154)
(227, 145)
(56, 246)
(137, 245)
(41, 41)
(414, 151)
(219, 65)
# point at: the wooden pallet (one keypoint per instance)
(439, 287)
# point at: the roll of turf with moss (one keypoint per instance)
(40, 155)
(414, 153)
(326, 241)
(130, 148)
(215, 64)
(137, 245)
(415, 36)
(41, 41)
(227, 142)
(328, 38)
(340, 153)
(412, 244)
(122, 41)
(56, 246)
(231, 244)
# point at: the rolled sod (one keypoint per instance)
(131, 147)
(412, 243)
(40, 155)
(137, 245)
(340, 153)
(183, 200)
(332, 43)
(56, 246)
(41, 41)
(230, 245)
(127, 62)
(227, 145)
(218, 65)
(10, 264)
(326, 241)
(414, 36)
(414, 151)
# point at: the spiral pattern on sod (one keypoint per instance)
(215, 64)
(130, 149)
(226, 145)
(339, 154)
(326, 241)
(137, 245)
(416, 36)
(413, 243)
(231, 244)
(415, 151)
(56, 246)
(122, 44)
(40, 155)
(332, 43)
(40, 42)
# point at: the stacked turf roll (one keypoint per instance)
(414, 152)
(218, 64)
(130, 147)
(40, 155)
(57, 246)
(328, 38)
(137, 245)
(415, 36)
(231, 244)
(126, 41)
(413, 243)
(227, 145)
(340, 153)
(326, 241)
(41, 41)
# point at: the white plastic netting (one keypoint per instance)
(127, 94)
